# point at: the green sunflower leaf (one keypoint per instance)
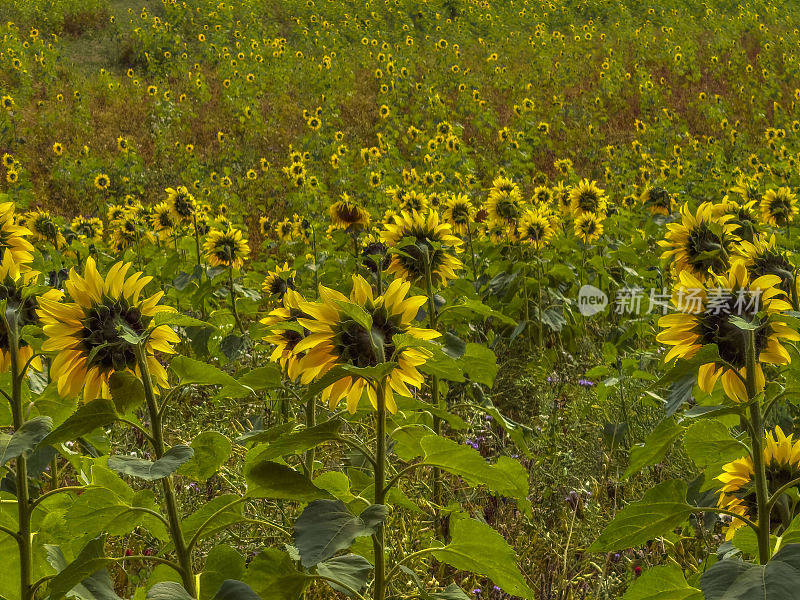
(152, 470)
(662, 583)
(25, 439)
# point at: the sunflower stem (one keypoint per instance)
(233, 299)
(199, 263)
(311, 419)
(437, 422)
(182, 551)
(472, 256)
(759, 467)
(378, 538)
(24, 507)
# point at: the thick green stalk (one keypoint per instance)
(233, 300)
(182, 552)
(757, 445)
(311, 419)
(24, 507)
(437, 422)
(378, 539)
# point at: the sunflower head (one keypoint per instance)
(587, 197)
(703, 244)
(182, 203)
(45, 227)
(706, 310)
(13, 236)
(588, 227)
(657, 200)
(423, 243)
(279, 281)
(459, 212)
(226, 248)
(534, 229)
(738, 493)
(411, 200)
(504, 205)
(763, 257)
(162, 219)
(336, 338)
(285, 333)
(347, 213)
(87, 228)
(779, 207)
(88, 334)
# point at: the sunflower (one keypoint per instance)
(162, 218)
(336, 339)
(534, 229)
(748, 189)
(181, 202)
(763, 257)
(412, 200)
(561, 193)
(285, 230)
(779, 207)
(279, 281)
(738, 494)
(102, 182)
(704, 317)
(374, 253)
(586, 197)
(16, 290)
(744, 214)
(657, 200)
(504, 205)
(286, 333)
(12, 236)
(87, 228)
(702, 243)
(542, 195)
(226, 248)
(115, 213)
(588, 227)
(410, 263)
(86, 334)
(459, 212)
(44, 227)
(347, 213)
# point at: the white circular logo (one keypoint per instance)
(591, 300)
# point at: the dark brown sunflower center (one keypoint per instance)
(101, 336)
(45, 227)
(780, 208)
(183, 205)
(348, 213)
(279, 285)
(354, 345)
(225, 249)
(588, 201)
(507, 208)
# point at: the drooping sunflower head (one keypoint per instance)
(45, 227)
(702, 243)
(738, 492)
(589, 227)
(744, 214)
(534, 229)
(705, 309)
(279, 281)
(88, 334)
(163, 220)
(412, 200)
(336, 338)
(779, 207)
(748, 189)
(459, 212)
(18, 292)
(423, 243)
(587, 197)
(347, 213)
(182, 203)
(563, 198)
(657, 200)
(13, 236)
(87, 228)
(504, 205)
(226, 248)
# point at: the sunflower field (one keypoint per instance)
(399, 299)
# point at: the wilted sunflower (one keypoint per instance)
(181, 202)
(702, 243)
(534, 229)
(425, 230)
(286, 333)
(588, 227)
(12, 236)
(657, 200)
(226, 248)
(459, 212)
(586, 197)
(336, 339)
(779, 207)
(504, 205)
(88, 228)
(87, 333)
(347, 213)
(704, 317)
(279, 281)
(16, 289)
(738, 492)
(163, 220)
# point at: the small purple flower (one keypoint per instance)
(585, 382)
(476, 592)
